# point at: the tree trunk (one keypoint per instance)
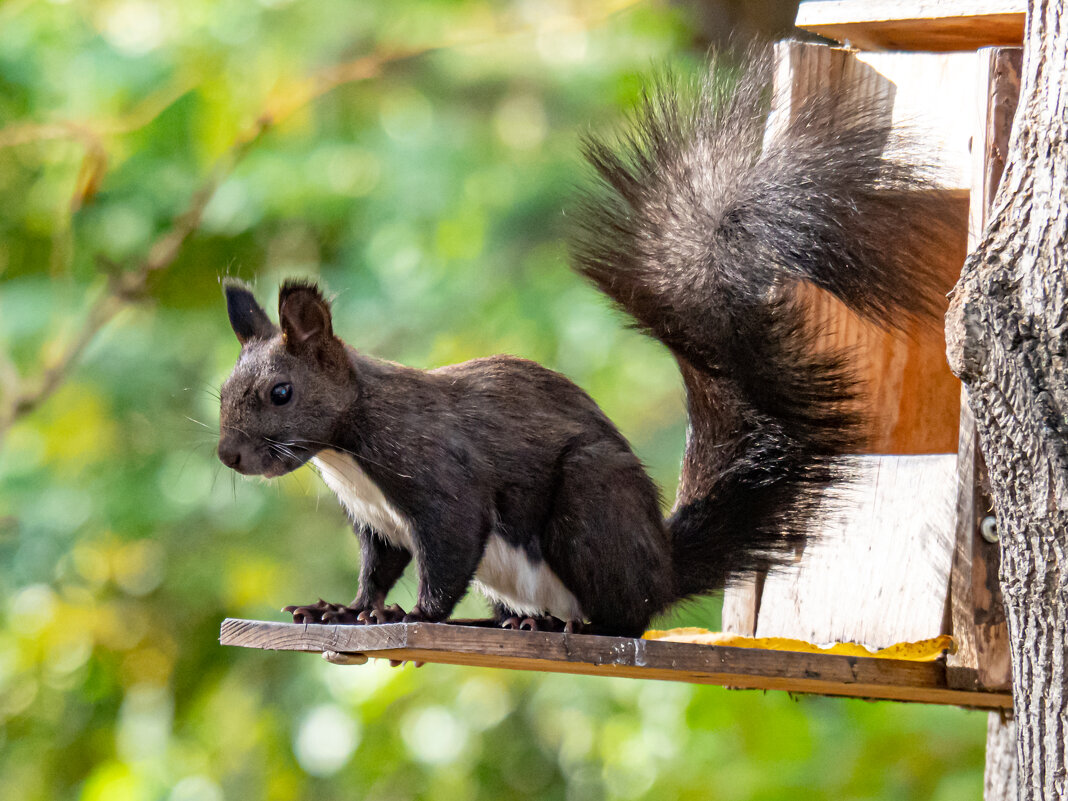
(1001, 778)
(1007, 334)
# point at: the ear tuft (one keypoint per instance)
(304, 314)
(247, 317)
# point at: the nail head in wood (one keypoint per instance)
(989, 529)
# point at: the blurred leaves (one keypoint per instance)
(146, 150)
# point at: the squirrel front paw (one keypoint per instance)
(326, 612)
(314, 613)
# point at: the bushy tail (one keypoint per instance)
(701, 230)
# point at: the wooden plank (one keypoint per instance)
(915, 25)
(932, 93)
(879, 572)
(746, 668)
(998, 90)
(912, 398)
(741, 605)
(976, 609)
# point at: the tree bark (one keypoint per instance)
(1001, 778)
(1007, 335)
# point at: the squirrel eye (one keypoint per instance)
(281, 394)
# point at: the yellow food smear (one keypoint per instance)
(919, 651)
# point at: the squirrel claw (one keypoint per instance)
(547, 623)
(342, 614)
(392, 614)
(403, 662)
(321, 612)
(333, 614)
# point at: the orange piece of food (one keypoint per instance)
(919, 651)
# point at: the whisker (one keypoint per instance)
(364, 457)
(339, 449)
(330, 445)
(207, 388)
(215, 477)
(283, 448)
(231, 427)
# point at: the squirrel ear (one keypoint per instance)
(247, 317)
(304, 315)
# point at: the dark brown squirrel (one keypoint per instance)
(501, 472)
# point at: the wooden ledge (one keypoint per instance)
(743, 668)
(944, 25)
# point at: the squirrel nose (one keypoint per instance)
(229, 455)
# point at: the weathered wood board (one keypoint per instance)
(977, 611)
(741, 605)
(913, 400)
(911, 397)
(937, 25)
(745, 668)
(879, 572)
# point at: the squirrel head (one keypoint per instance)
(292, 383)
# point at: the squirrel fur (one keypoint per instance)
(501, 472)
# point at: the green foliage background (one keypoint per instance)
(430, 198)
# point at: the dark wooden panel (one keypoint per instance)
(977, 611)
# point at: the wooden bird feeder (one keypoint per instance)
(908, 560)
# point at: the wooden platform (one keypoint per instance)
(935, 25)
(743, 668)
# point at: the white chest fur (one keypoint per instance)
(505, 574)
(363, 499)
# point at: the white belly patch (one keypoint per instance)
(507, 575)
(363, 499)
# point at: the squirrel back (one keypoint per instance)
(701, 230)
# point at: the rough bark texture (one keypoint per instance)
(1008, 335)
(1001, 778)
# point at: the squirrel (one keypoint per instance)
(505, 474)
